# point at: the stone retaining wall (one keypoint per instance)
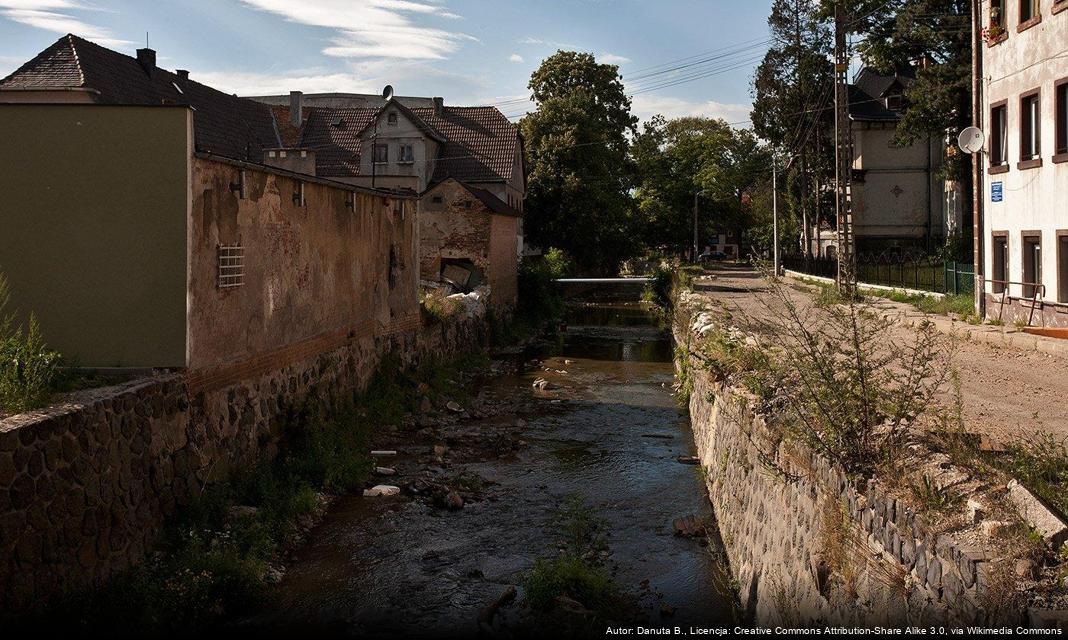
(86, 486)
(822, 547)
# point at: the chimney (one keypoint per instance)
(439, 106)
(183, 74)
(147, 58)
(296, 108)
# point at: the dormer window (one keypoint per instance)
(895, 102)
(392, 119)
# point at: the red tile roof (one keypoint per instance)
(480, 143)
(224, 124)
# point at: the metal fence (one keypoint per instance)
(895, 270)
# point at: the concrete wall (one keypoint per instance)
(900, 196)
(94, 218)
(462, 227)
(1034, 198)
(311, 270)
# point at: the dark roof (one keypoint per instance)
(480, 144)
(491, 202)
(868, 92)
(224, 124)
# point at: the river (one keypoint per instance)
(610, 432)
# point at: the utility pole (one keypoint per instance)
(977, 162)
(775, 214)
(843, 148)
(695, 249)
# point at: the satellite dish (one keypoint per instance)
(387, 93)
(971, 140)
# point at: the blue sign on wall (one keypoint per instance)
(996, 192)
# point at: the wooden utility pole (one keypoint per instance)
(843, 151)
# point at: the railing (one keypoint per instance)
(895, 270)
(1038, 293)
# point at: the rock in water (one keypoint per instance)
(381, 490)
(688, 527)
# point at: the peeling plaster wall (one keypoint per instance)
(310, 270)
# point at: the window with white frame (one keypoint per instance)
(406, 153)
(1030, 123)
(231, 261)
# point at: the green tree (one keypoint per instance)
(580, 172)
(793, 100)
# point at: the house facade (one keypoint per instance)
(1025, 162)
(899, 202)
(144, 228)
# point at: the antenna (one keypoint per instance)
(146, 39)
(971, 140)
(387, 93)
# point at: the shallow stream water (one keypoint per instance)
(610, 433)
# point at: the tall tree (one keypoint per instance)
(793, 104)
(580, 172)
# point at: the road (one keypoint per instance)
(1008, 393)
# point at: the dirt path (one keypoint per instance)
(1008, 393)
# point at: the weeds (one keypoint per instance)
(28, 368)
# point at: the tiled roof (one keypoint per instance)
(480, 143)
(867, 93)
(492, 202)
(225, 124)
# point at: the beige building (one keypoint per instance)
(144, 230)
(898, 199)
(1025, 162)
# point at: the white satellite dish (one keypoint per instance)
(387, 93)
(971, 140)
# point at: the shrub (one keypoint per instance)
(539, 296)
(28, 369)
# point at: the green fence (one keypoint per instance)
(905, 272)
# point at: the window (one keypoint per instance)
(997, 9)
(406, 153)
(381, 153)
(391, 119)
(999, 136)
(1062, 266)
(1000, 258)
(1030, 132)
(1032, 264)
(895, 102)
(1028, 11)
(231, 259)
(1060, 93)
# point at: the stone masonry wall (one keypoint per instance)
(86, 486)
(823, 548)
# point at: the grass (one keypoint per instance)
(213, 558)
(578, 572)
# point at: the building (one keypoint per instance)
(416, 144)
(144, 230)
(1024, 192)
(899, 202)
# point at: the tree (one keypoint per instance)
(580, 173)
(686, 156)
(793, 100)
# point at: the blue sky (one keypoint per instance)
(469, 51)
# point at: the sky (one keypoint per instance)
(677, 57)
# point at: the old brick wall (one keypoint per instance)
(456, 227)
(821, 547)
(341, 261)
(85, 487)
(504, 261)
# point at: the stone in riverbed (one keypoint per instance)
(381, 490)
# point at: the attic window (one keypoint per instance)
(392, 119)
(895, 102)
(231, 259)
(438, 200)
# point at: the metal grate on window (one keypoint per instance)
(231, 265)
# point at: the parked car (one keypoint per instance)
(711, 256)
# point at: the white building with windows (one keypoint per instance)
(1025, 164)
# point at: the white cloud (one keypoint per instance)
(611, 58)
(645, 106)
(46, 14)
(373, 28)
(515, 57)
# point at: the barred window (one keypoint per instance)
(231, 258)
